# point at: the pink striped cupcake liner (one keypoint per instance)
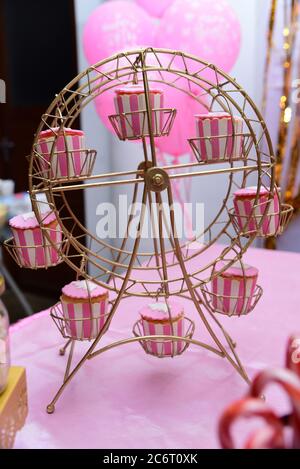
(220, 137)
(249, 215)
(233, 291)
(34, 250)
(233, 296)
(160, 347)
(84, 321)
(69, 159)
(134, 123)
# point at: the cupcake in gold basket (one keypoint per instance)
(158, 319)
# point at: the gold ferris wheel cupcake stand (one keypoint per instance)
(128, 270)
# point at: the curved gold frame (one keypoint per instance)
(118, 267)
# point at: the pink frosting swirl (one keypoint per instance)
(158, 311)
(83, 289)
(236, 270)
(29, 221)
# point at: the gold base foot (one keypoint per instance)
(50, 409)
(61, 352)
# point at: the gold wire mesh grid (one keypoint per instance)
(78, 328)
(31, 256)
(264, 224)
(203, 148)
(162, 122)
(231, 305)
(157, 346)
(67, 164)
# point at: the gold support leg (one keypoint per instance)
(69, 360)
(63, 349)
(70, 375)
(235, 363)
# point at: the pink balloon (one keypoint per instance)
(208, 29)
(184, 127)
(155, 7)
(114, 26)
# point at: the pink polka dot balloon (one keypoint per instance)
(115, 26)
(208, 29)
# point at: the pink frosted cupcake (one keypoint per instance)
(156, 321)
(233, 289)
(219, 136)
(71, 163)
(31, 246)
(84, 306)
(131, 99)
(244, 204)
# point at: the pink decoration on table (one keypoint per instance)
(32, 247)
(155, 7)
(69, 156)
(156, 321)
(131, 99)
(272, 436)
(233, 289)
(84, 307)
(290, 383)
(220, 136)
(208, 29)
(115, 26)
(249, 214)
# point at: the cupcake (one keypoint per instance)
(70, 158)
(84, 307)
(248, 222)
(31, 245)
(220, 136)
(233, 289)
(157, 321)
(131, 100)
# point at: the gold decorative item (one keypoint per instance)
(127, 270)
(284, 49)
(13, 407)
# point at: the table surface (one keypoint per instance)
(127, 399)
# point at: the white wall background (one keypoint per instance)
(113, 154)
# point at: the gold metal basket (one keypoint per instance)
(217, 303)
(80, 329)
(162, 122)
(68, 165)
(159, 350)
(262, 225)
(27, 256)
(226, 155)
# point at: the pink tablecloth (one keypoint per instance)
(127, 399)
